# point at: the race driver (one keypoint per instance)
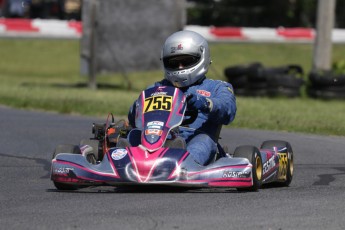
(186, 60)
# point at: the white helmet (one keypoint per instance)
(186, 58)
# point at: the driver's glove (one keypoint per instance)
(197, 102)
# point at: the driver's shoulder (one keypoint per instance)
(210, 84)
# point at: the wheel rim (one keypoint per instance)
(258, 168)
(291, 164)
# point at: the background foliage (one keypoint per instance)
(44, 75)
(259, 13)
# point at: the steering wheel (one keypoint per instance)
(189, 117)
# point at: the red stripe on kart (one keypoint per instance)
(223, 182)
(230, 184)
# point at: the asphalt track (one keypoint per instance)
(28, 199)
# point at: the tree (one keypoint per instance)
(323, 42)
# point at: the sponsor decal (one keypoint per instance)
(160, 88)
(154, 127)
(268, 165)
(160, 102)
(235, 174)
(158, 93)
(203, 93)
(158, 123)
(118, 154)
(174, 48)
(283, 163)
(157, 132)
(63, 170)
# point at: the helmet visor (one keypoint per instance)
(180, 62)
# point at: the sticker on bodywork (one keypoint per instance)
(118, 154)
(283, 162)
(160, 102)
(236, 174)
(268, 165)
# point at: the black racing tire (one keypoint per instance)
(288, 150)
(283, 92)
(238, 82)
(288, 81)
(336, 89)
(326, 93)
(257, 75)
(256, 92)
(240, 91)
(240, 70)
(73, 149)
(262, 74)
(96, 153)
(235, 71)
(254, 156)
(326, 78)
(257, 85)
(295, 70)
(288, 69)
(257, 89)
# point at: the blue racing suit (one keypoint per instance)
(201, 136)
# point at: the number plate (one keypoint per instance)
(161, 102)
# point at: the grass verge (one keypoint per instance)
(44, 74)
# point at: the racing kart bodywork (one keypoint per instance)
(154, 154)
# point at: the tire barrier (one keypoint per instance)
(326, 85)
(256, 80)
(53, 28)
(40, 28)
(261, 34)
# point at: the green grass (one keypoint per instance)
(44, 75)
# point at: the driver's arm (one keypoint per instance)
(222, 104)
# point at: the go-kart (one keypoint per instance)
(154, 154)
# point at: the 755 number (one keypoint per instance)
(161, 102)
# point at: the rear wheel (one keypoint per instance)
(286, 148)
(73, 149)
(93, 154)
(254, 156)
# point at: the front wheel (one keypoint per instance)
(254, 156)
(285, 150)
(73, 149)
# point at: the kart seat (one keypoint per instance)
(218, 130)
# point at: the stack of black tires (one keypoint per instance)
(326, 85)
(256, 80)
